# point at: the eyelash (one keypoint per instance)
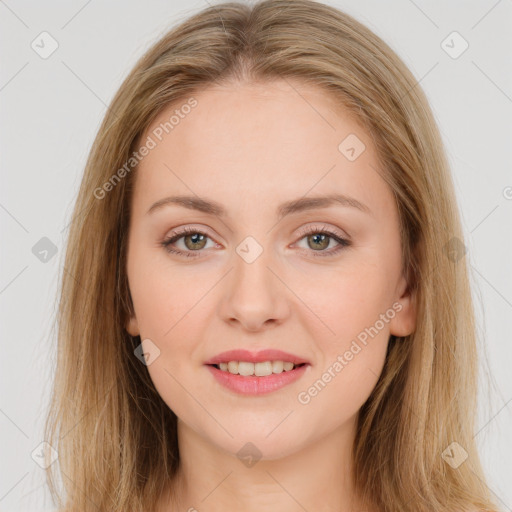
(310, 230)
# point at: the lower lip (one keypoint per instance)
(253, 385)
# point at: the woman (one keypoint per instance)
(266, 303)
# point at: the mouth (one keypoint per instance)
(247, 378)
(262, 356)
(260, 370)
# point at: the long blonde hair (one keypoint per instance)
(115, 437)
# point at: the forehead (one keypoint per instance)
(276, 140)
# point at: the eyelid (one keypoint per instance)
(310, 229)
(189, 229)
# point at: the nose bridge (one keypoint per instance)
(254, 295)
(251, 273)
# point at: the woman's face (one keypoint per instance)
(253, 274)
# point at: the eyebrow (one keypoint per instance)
(290, 207)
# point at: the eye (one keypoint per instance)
(195, 240)
(319, 239)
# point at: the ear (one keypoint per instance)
(133, 326)
(404, 321)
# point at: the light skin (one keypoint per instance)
(251, 147)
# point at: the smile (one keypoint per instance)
(256, 378)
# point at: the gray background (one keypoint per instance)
(50, 110)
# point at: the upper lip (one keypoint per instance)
(255, 357)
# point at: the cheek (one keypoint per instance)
(169, 312)
(357, 309)
(163, 293)
(342, 386)
(346, 298)
(354, 303)
(170, 302)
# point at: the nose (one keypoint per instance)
(254, 297)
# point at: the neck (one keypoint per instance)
(316, 477)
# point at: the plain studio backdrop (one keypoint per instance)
(62, 62)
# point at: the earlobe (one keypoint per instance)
(404, 321)
(133, 326)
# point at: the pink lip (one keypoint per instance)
(255, 357)
(256, 385)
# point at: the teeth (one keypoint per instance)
(259, 369)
